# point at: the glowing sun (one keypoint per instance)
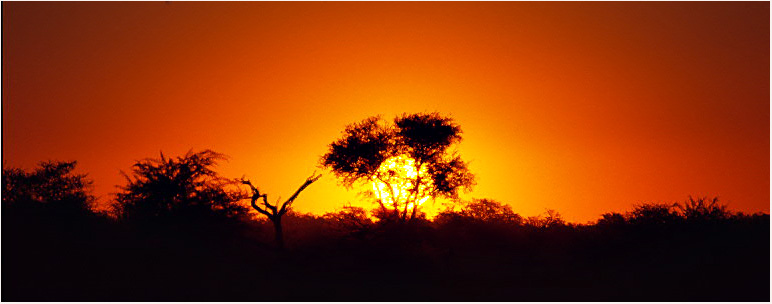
(394, 184)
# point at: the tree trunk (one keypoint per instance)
(278, 232)
(416, 191)
(404, 213)
(415, 207)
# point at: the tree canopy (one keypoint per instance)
(52, 185)
(185, 185)
(409, 159)
(485, 210)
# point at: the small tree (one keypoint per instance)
(349, 219)
(182, 187)
(275, 212)
(52, 185)
(612, 219)
(550, 219)
(485, 211)
(653, 214)
(488, 210)
(703, 210)
(407, 161)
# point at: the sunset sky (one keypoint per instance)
(584, 108)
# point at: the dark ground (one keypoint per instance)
(56, 258)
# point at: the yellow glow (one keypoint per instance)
(393, 183)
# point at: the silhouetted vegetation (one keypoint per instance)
(51, 187)
(276, 212)
(186, 187)
(482, 211)
(421, 141)
(181, 232)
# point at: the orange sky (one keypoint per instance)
(580, 107)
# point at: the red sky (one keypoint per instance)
(584, 108)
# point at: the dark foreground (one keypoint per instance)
(52, 258)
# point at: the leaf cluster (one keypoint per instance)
(427, 138)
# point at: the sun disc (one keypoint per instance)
(393, 183)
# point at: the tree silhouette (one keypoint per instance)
(275, 212)
(550, 219)
(52, 186)
(703, 210)
(654, 214)
(186, 186)
(419, 143)
(612, 219)
(350, 219)
(483, 210)
(489, 210)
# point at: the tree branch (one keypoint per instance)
(391, 191)
(310, 180)
(269, 206)
(255, 195)
(416, 189)
(269, 215)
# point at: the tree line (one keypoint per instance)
(188, 188)
(176, 218)
(177, 230)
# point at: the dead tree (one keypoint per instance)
(275, 212)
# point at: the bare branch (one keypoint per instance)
(247, 182)
(267, 205)
(394, 200)
(255, 195)
(310, 180)
(416, 191)
(275, 215)
(379, 200)
(266, 213)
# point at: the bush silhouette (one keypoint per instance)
(52, 185)
(350, 219)
(703, 210)
(185, 187)
(551, 218)
(612, 219)
(654, 214)
(482, 210)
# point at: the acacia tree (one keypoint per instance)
(490, 211)
(703, 209)
(372, 151)
(183, 187)
(276, 211)
(52, 185)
